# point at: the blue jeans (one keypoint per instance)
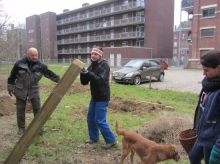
(96, 120)
(198, 153)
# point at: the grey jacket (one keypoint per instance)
(25, 76)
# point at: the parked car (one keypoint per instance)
(163, 63)
(137, 71)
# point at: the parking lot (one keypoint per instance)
(178, 79)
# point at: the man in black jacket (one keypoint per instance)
(98, 76)
(23, 83)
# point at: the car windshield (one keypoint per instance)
(134, 63)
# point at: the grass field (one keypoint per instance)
(67, 127)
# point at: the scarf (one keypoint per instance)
(211, 84)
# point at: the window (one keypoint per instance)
(208, 12)
(140, 43)
(103, 32)
(203, 51)
(124, 30)
(175, 36)
(31, 31)
(125, 16)
(124, 43)
(175, 44)
(78, 46)
(78, 36)
(94, 33)
(153, 63)
(125, 2)
(31, 40)
(183, 36)
(175, 51)
(207, 32)
(103, 44)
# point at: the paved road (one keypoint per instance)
(178, 79)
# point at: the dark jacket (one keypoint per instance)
(207, 123)
(98, 76)
(24, 78)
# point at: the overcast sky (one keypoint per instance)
(20, 9)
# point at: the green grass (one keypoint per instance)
(67, 127)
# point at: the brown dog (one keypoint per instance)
(148, 151)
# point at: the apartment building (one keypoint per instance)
(41, 34)
(180, 51)
(21, 40)
(203, 27)
(124, 28)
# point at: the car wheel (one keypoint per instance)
(137, 80)
(161, 77)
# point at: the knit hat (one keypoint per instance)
(98, 51)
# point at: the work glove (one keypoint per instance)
(84, 71)
(10, 92)
(215, 155)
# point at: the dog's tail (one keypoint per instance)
(119, 132)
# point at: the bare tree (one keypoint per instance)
(7, 35)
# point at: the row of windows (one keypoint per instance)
(139, 43)
(204, 33)
(124, 3)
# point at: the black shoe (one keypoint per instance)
(91, 141)
(109, 145)
(20, 131)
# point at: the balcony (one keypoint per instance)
(110, 24)
(75, 51)
(109, 37)
(103, 12)
(186, 26)
(187, 5)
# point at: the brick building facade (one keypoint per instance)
(41, 33)
(203, 27)
(124, 28)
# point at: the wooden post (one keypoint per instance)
(44, 113)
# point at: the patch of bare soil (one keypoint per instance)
(162, 130)
(137, 107)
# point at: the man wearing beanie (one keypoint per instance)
(97, 75)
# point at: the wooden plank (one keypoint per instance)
(44, 113)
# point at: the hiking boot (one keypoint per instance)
(91, 141)
(20, 131)
(43, 130)
(109, 145)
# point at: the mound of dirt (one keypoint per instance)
(165, 129)
(137, 107)
(7, 105)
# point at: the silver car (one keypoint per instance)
(137, 71)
